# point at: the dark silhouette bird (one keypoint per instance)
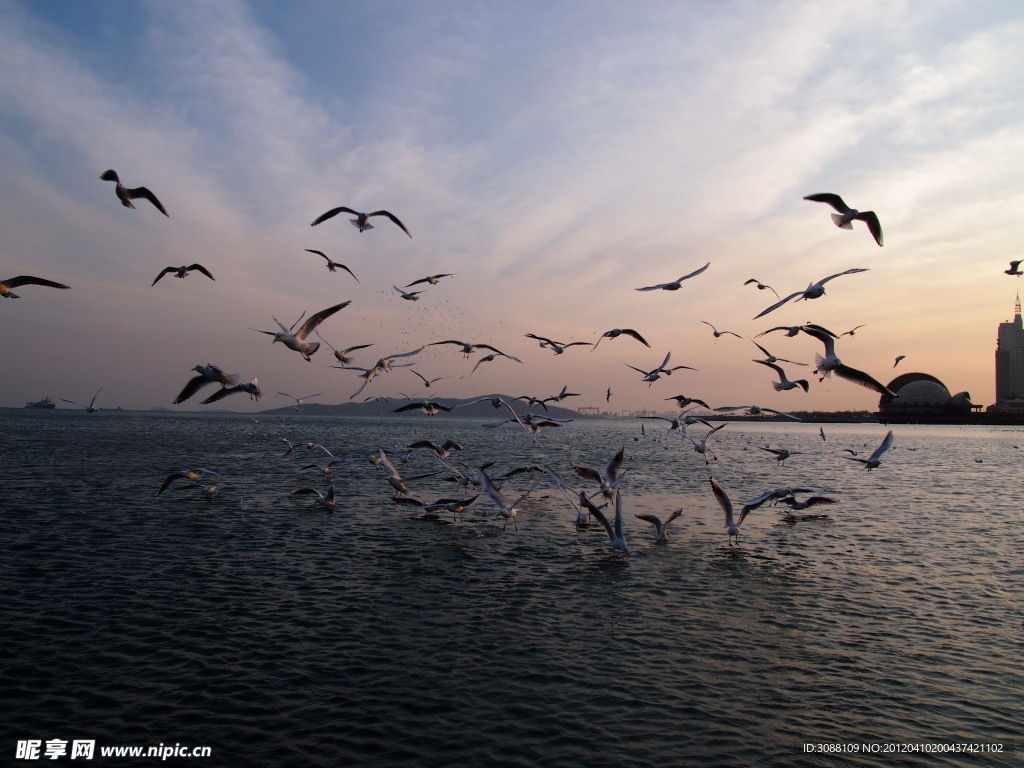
(675, 285)
(846, 215)
(15, 282)
(333, 265)
(180, 272)
(614, 333)
(362, 220)
(126, 195)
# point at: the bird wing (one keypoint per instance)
(191, 387)
(14, 282)
(635, 335)
(840, 274)
(777, 369)
(722, 498)
(162, 273)
(142, 192)
(776, 305)
(200, 268)
(874, 225)
(331, 214)
(392, 217)
(885, 446)
(827, 197)
(318, 317)
(863, 379)
(694, 273)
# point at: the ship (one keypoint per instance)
(46, 402)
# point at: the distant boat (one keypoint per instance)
(46, 402)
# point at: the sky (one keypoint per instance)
(553, 156)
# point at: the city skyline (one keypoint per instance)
(552, 158)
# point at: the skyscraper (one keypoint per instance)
(1010, 358)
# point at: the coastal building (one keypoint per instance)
(923, 399)
(1010, 359)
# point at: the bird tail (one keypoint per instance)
(838, 219)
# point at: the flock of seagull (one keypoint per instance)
(605, 505)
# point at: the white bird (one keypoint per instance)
(844, 219)
(299, 400)
(831, 364)
(441, 451)
(609, 479)
(652, 376)
(14, 282)
(614, 333)
(408, 295)
(395, 480)
(429, 407)
(682, 401)
(181, 272)
(505, 509)
(362, 220)
(875, 458)
(853, 331)
(812, 291)
(703, 446)
(681, 422)
(126, 195)
(557, 347)
(661, 535)
(731, 524)
(675, 285)
(325, 500)
(297, 340)
(192, 475)
(88, 408)
(616, 538)
(757, 410)
(720, 333)
(431, 279)
(468, 347)
(251, 388)
(208, 374)
(770, 358)
(342, 354)
(332, 266)
(781, 454)
(784, 384)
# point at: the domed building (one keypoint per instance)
(921, 398)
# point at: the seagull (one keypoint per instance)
(844, 219)
(875, 458)
(431, 279)
(813, 291)
(720, 333)
(784, 384)
(505, 509)
(322, 500)
(491, 358)
(794, 330)
(408, 295)
(731, 524)
(770, 358)
(384, 364)
(332, 265)
(297, 340)
(675, 285)
(14, 282)
(810, 501)
(126, 195)
(608, 395)
(616, 538)
(362, 219)
(1014, 268)
(326, 469)
(757, 410)
(342, 354)
(608, 480)
(821, 431)
(774, 497)
(897, 361)
(395, 480)
(614, 333)
(441, 451)
(429, 407)
(427, 382)
(682, 401)
(180, 272)
(468, 347)
(208, 374)
(299, 400)
(830, 363)
(853, 330)
(251, 388)
(661, 535)
(556, 346)
(781, 454)
(761, 286)
(681, 422)
(652, 376)
(192, 475)
(703, 446)
(88, 408)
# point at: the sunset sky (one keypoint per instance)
(554, 156)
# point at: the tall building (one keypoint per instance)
(1010, 358)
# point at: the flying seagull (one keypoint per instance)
(844, 219)
(720, 333)
(362, 219)
(333, 265)
(126, 195)
(761, 286)
(614, 333)
(431, 279)
(14, 282)
(784, 384)
(208, 374)
(812, 291)
(297, 340)
(830, 363)
(675, 285)
(1014, 268)
(88, 408)
(557, 347)
(875, 459)
(897, 362)
(180, 272)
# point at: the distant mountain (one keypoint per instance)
(380, 407)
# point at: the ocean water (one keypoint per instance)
(277, 633)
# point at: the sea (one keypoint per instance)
(885, 629)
